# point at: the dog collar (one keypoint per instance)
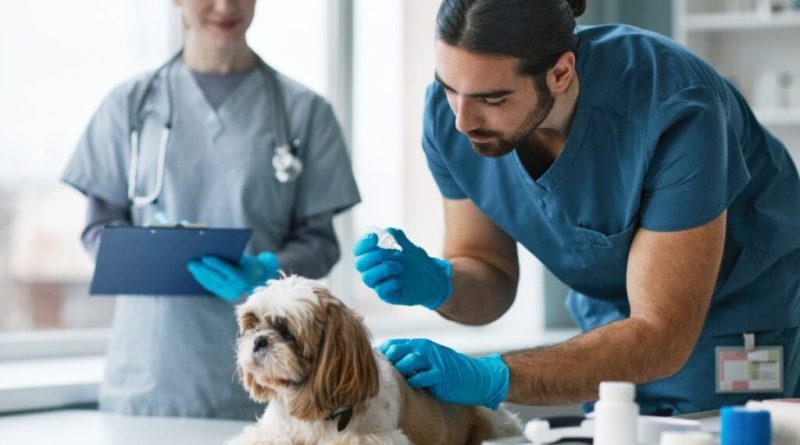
(344, 415)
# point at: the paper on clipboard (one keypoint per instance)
(152, 260)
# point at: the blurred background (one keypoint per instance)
(372, 60)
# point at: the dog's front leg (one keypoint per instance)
(391, 438)
(246, 437)
(258, 435)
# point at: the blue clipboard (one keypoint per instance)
(152, 260)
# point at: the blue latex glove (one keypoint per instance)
(409, 277)
(449, 375)
(231, 282)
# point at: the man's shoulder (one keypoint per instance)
(613, 35)
(624, 48)
(630, 72)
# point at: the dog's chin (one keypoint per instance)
(276, 382)
(279, 383)
(275, 371)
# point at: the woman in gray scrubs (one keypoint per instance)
(174, 356)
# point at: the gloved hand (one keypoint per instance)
(406, 277)
(449, 375)
(230, 282)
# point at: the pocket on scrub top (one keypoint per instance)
(604, 251)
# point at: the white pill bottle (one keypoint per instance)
(616, 414)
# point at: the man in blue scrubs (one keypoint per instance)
(634, 172)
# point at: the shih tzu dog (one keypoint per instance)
(308, 355)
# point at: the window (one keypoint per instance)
(290, 37)
(57, 70)
(65, 62)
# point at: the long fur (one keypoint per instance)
(318, 361)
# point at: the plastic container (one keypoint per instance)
(686, 438)
(651, 429)
(743, 426)
(616, 414)
(784, 415)
(385, 239)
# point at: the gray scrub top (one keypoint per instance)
(174, 356)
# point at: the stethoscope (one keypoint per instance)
(285, 160)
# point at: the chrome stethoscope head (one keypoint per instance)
(137, 123)
(286, 163)
(133, 167)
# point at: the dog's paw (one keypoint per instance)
(249, 436)
(253, 435)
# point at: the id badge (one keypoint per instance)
(749, 368)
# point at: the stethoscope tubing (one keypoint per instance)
(286, 163)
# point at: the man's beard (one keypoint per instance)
(502, 145)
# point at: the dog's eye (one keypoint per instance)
(284, 331)
(281, 327)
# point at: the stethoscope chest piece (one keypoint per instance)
(286, 164)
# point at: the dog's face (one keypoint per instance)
(300, 344)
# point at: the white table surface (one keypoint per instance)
(86, 427)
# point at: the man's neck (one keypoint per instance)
(560, 117)
(543, 146)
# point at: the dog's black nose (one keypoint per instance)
(261, 343)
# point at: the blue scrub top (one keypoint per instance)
(659, 140)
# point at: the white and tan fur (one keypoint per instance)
(307, 354)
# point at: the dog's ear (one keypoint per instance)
(245, 318)
(257, 392)
(346, 372)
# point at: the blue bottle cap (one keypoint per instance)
(742, 426)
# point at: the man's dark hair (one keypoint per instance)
(537, 32)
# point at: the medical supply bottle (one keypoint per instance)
(616, 414)
(745, 426)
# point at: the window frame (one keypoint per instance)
(26, 345)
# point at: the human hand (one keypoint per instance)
(449, 375)
(408, 276)
(230, 282)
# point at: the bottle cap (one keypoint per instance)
(617, 391)
(744, 426)
(686, 438)
(385, 239)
